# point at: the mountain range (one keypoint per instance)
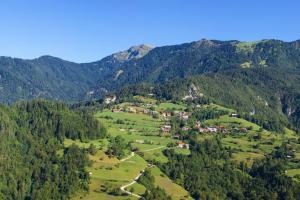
(221, 120)
(261, 76)
(53, 78)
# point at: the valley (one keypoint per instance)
(149, 127)
(150, 100)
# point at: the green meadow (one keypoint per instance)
(245, 145)
(170, 106)
(143, 132)
(172, 189)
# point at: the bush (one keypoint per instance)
(120, 121)
(92, 149)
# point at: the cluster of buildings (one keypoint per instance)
(181, 114)
(218, 129)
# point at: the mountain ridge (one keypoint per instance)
(180, 61)
(54, 78)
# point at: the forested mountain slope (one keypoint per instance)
(54, 78)
(180, 61)
(44, 77)
(269, 95)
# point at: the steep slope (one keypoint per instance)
(53, 78)
(44, 77)
(180, 61)
(111, 67)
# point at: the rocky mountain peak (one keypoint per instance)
(134, 52)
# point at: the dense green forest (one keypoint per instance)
(208, 173)
(53, 78)
(45, 77)
(34, 164)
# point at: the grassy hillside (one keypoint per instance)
(53, 78)
(272, 95)
(246, 141)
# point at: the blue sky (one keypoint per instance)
(88, 30)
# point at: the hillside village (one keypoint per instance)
(181, 116)
(148, 127)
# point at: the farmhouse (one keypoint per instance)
(183, 115)
(166, 128)
(166, 114)
(183, 145)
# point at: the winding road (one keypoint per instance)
(131, 183)
(127, 158)
(154, 148)
(123, 187)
